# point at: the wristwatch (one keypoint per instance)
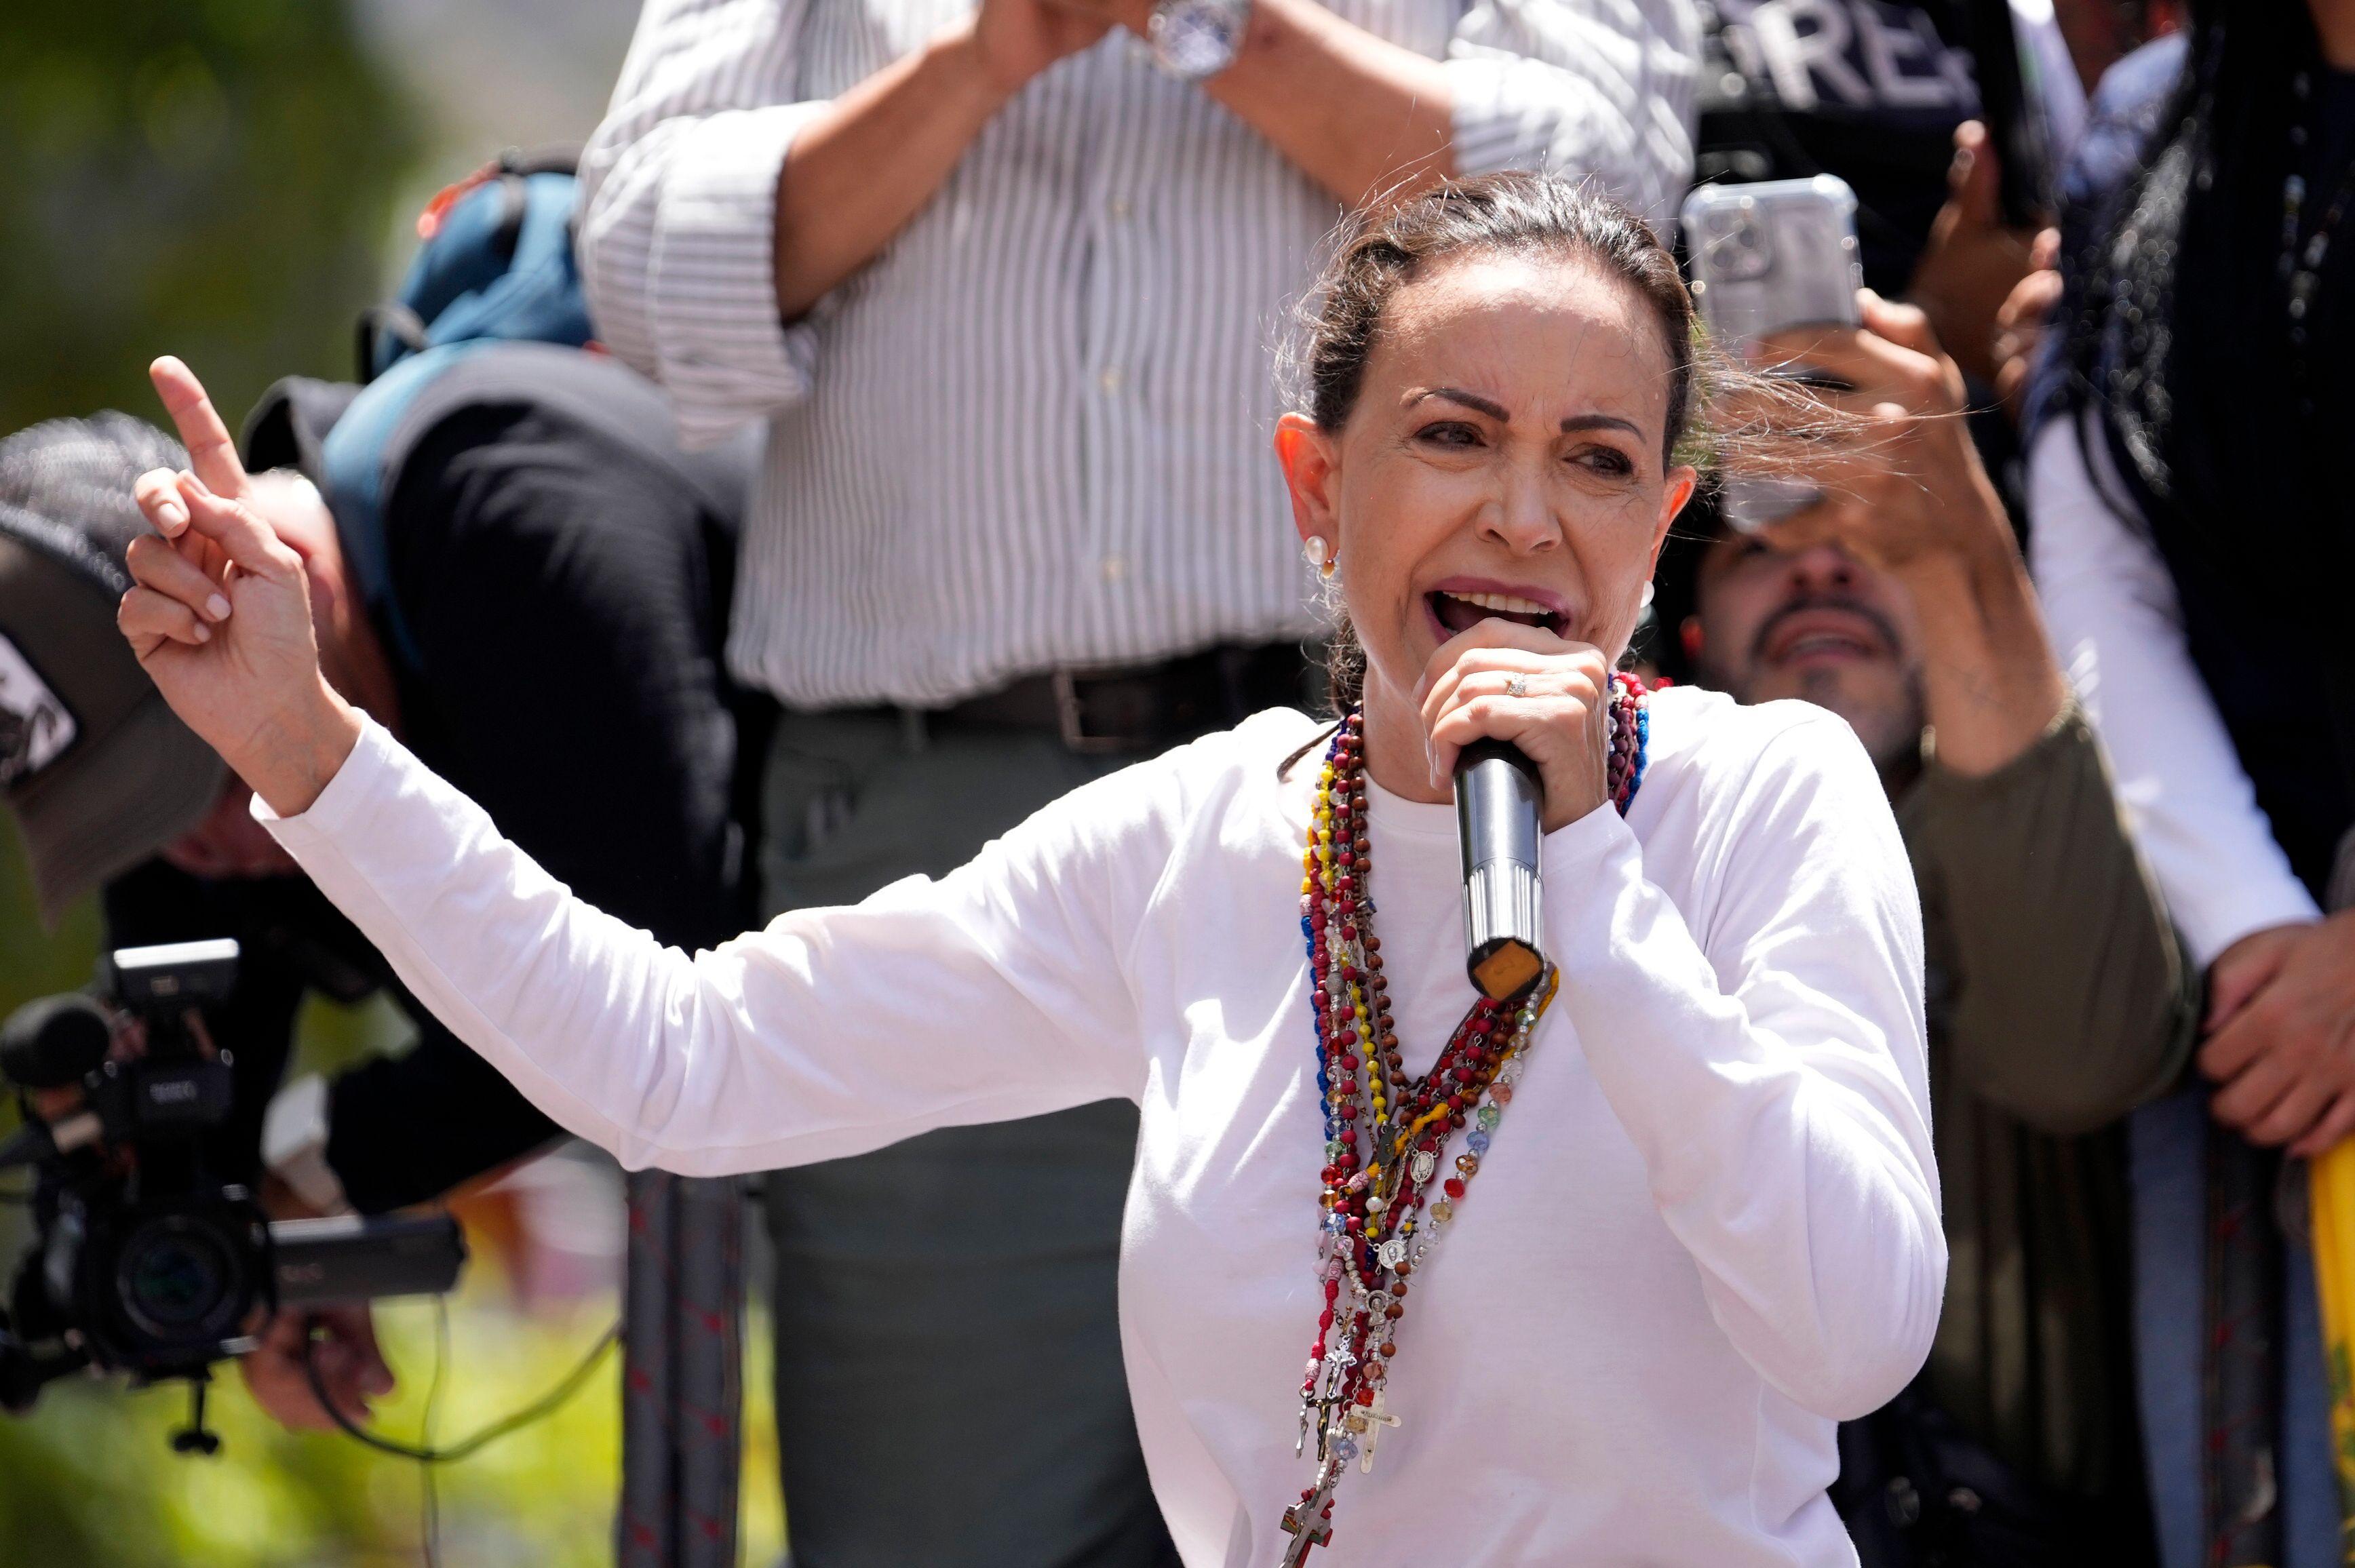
(1194, 40)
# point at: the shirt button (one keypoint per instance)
(1110, 379)
(1115, 567)
(1119, 205)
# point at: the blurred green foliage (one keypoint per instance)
(91, 1479)
(209, 177)
(214, 178)
(218, 179)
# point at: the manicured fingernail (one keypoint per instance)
(172, 515)
(204, 633)
(216, 607)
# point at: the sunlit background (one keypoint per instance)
(231, 180)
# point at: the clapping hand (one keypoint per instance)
(1133, 14)
(1019, 39)
(220, 614)
(2281, 1040)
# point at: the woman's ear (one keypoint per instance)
(1312, 475)
(1683, 480)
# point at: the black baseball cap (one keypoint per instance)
(98, 771)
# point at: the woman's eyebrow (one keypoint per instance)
(1472, 401)
(1599, 421)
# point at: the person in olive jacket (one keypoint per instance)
(2058, 997)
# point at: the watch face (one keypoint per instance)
(1195, 39)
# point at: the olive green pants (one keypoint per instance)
(950, 1392)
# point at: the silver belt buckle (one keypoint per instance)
(1070, 718)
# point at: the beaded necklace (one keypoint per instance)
(1386, 1136)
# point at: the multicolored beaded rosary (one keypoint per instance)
(1386, 1136)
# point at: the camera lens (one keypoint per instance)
(1737, 247)
(179, 1279)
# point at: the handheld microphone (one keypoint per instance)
(1496, 797)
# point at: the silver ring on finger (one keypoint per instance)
(1518, 686)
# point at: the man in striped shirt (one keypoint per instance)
(1004, 286)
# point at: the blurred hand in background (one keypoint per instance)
(1973, 260)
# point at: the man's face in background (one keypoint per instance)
(229, 843)
(1814, 625)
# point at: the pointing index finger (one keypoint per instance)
(212, 452)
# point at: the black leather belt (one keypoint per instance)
(1143, 709)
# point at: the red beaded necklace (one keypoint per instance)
(1386, 1134)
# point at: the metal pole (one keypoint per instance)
(682, 1384)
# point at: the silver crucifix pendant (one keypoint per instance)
(1376, 1416)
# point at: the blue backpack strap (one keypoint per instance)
(359, 458)
(495, 267)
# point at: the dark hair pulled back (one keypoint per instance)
(1383, 249)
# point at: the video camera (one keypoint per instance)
(146, 1262)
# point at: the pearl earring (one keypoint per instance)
(1317, 552)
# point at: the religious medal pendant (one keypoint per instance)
(1309, 1521)
(1307, 1530)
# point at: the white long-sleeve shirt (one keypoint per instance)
(2119, 628)
(1032, 432)
(1707, 1228)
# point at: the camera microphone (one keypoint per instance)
(53, 1043)
(1496, 797)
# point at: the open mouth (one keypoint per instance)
(1825, 634)
(1461, 611)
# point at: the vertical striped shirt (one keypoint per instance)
(1033, 431)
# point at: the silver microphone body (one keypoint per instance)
(1497, 822)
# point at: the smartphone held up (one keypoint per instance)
(1765, 257)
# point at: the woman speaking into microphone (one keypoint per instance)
(1585, 1276)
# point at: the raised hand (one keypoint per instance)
(1973, 261)
(220, 614)
(1906, 483)
(2020, 324)
(1905, 492)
